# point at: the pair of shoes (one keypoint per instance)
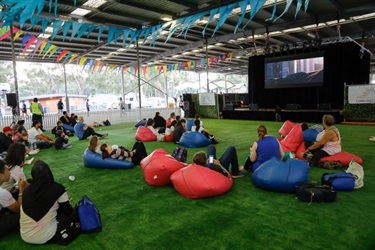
(238, 175)
(105, 135)
(242, 169)
(371, 138)
(70, 146)
(34, 151)
(307, 155)
(29, 161)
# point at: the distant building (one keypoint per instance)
(49, 102)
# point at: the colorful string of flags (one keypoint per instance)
(47, 49)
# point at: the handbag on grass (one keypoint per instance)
(311, 193)
(340, 181)
(89, 216)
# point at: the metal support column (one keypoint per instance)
(66, 91)
(14, 73)
(139, 81)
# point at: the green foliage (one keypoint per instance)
(138, 216)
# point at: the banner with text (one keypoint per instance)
(361, 94)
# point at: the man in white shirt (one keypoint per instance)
(37, 136)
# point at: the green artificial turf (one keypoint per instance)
(138, 216)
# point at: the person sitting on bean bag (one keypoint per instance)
(121, 153)
(94, 145)
(171, 118)
(199, 128)
(150, 125)
(229, 157)
(265, 148)
(179, 130)
(328, 142)
(83, 130)
(170, 129)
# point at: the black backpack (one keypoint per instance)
(312, 193)
(180, 154)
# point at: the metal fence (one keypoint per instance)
(114, 116)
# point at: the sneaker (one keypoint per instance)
(371, 139)
(34, 151)
(29, 161)
(242, 169)
(105, 135)
(238, 175)
(70, 146)
(307, 155)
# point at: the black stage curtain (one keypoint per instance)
(343, 63)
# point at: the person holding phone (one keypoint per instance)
(228, 158)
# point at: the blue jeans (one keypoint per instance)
(229, 157)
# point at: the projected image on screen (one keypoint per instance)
(307, 72)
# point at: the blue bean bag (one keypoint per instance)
(68, 127)
(189, 124)
(140, 123)
(310, 134)
(94, 160)
(275, 175)
(194, 140)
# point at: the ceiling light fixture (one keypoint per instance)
(94, 3)
(166, 17)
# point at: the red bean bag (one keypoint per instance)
(196, 182)
(158, 166)
(292, 141)
(169, 138)
(343, 157)
(144, 134)
(286, 128)
(300, 150)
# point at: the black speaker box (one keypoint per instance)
(324, 106)
(292, 106)
(11, 100)
(253, 107)
(229, 107)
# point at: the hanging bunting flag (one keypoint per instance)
(3, 30)
(86, 62)
(42, 46)
(56, 50)
(91, 29)
(82, 30)
(148, 71)
(66, 28)
(212, 15)
(165, 69)
(194, 64)
(198, 63)
(91, 65)
(31, 40)
(152, 69)
(176, 66)
(184, 65)
(230, 54)
(7, 33)
(135, 71)
(96, 65)
(82, 60)
(20, 32)
(243, 6)
(273, 12)
(45, 23)
(125, 36)
(56, 28)
(51, 47)
(287, 6)
(189, 65)
(144, 71)
(25, 39)
(33, 21)
(179, 67)
(124, 68)
(224, 13)
(73, 57)
(48, 45)
(37, 45)
(76, 27)
(67, 57)
(131, 71)
(62, 54)
(203, 62)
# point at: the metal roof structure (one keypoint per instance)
(324, 22)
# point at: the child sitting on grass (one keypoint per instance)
(62, 141)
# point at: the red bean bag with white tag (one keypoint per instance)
(343, 157)
(286, 128)
(292, 141)
(196, 182)
(158, 167)
(144, 134)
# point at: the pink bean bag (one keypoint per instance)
(286, 128)
(158, 167)
(144, 134)
(343, 157)
(292, 141)
(196, 182)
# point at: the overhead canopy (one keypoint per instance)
(102, 34)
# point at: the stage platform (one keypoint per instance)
(301, 115)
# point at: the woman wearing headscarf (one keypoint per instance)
(46, 213)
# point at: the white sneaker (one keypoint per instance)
(29, 161)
